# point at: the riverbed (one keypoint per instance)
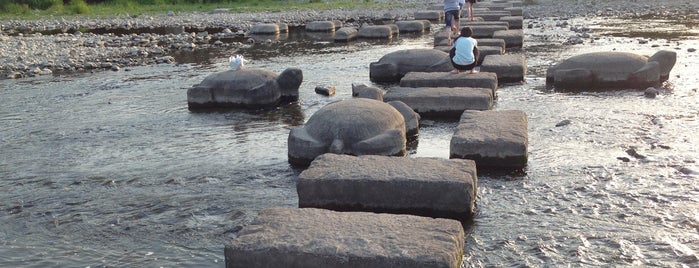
(111, 169)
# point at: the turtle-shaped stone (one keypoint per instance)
(393, 66)
(606, 70)
(355, 126)
(245, 88)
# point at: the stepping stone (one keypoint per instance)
(513, 38)
(346, 34)
(493, 15)
(315, 238)
(431, 15)
(491, 42)
(486, 31)
(442, 102)
(494, 139)
(283, 27)
(515, 22)
(484, 51)
(485, 23)
(447, 79)
(515, 11)
(265, 28)
(494, 6)
(376, 31)
(510, 68)
(320, 26)
(433, 187)
(413, 26)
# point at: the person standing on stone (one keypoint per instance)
(464, 54)
(451, 17)
(470, 9)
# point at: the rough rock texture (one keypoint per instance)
(442, 102)
(446, 79)
(245, 88)
(433, 187)
(494, 139)
(393, 66)
(356, 126)
(600, 70)
(510, 68)
(316, 238)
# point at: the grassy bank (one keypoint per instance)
(10, 9)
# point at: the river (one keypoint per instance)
(110, 169)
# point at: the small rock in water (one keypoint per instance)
(632, 152)
(624, 159)
(563, 123)
(691, 49)
(325, 90)
(650, 92)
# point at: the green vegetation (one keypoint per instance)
(34, 9)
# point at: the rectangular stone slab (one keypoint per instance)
(442, 102)
(433, 187)
(513, 38)
(447, 79)
(510, 68)
(317, 238)
(515, 22)
(494, 139)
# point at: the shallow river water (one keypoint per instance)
(111, 169)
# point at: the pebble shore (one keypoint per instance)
(47, 46)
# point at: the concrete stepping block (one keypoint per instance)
(493, 15)
(265, 28)
(442, 102)
(434, 187)
(510, 68)
(485, 23)
(346, 34)
(484, 51)
(494, 139)
(315, 238)
(412, 26)
(376, 32)
(447, 79)
(486, 31)
(492, 42)
(494, 6)
(515, 11)
(320, 26)
(515, 22)
(431, 15)
(513, 38)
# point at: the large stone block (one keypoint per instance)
(492, 15)
(447, 102)
(513, 38)
(491, 42)
(317, 238)
(494, 139)
(486, 31)
(446, 79)
(265, 28)
(515, 22)
(411, 26)
(346, 34)
(376, 31)
(431, 15)
(433, 187)
(510, 68)
(320, 26)
(484, 51)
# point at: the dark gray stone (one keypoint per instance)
(245, 88)
(431, 187)
(355, 126)
(494, 139)
(442, 102)
(513, 38)
(346, 34)
(320, 26)
(317, 238)
(376, 32)
(393, 66)
(446, 79)
(509, 68)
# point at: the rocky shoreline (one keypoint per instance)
(60, 45)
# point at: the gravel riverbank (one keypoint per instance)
(77, 44)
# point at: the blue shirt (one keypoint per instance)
(464, 50)
(451, 5)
